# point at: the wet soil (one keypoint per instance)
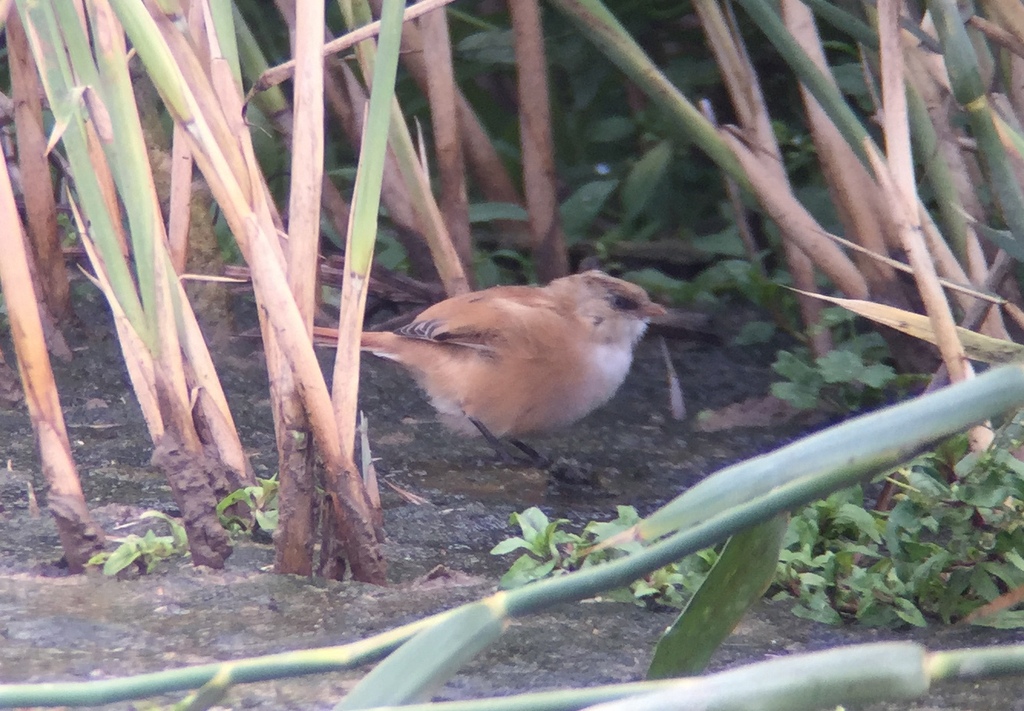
(58, 627)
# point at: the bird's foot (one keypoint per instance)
(570, 473)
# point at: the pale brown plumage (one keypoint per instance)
(522, 359)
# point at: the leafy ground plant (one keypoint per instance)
(551, 550)
(145, 551)
(852, 377)
(953, 541)
(261, 499)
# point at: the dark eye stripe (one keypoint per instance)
(624, 303)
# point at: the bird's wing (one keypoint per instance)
(500, 317)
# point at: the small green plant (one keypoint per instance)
(260, 498)
(850, 378)
(551, 550)
(145, 551)
(953, 541)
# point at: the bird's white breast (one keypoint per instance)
(609, 363)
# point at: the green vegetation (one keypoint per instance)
(260, 499)
(854, 377)
(951, 543)
(552, 550)
(145, 551)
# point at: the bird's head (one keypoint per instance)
(616, 310)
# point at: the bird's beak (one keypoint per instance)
(653, 310)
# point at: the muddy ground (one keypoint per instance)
(56, 627)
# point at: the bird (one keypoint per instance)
(510, 361)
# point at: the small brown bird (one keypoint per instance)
(515, 360)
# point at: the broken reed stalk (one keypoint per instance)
(80, 537)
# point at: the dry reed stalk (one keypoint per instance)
(273, 104)
(347, 99)
(282, 72)
(80, 537)
(801, 227)
(296, 524)
(182, 451)
(925, 72)
(550, 256)
(490, 176)
(442, 94)
(740, 213)
(223, 150)
(429, 220)
(903, 188)
(748, 100)
(179, 209)
(853, 191)
(40, 204)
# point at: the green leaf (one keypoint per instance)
(267, 520)
(1014, 558)
(755, 332)
(909, 613)
(532, 522)
(643, 180)
(840, 366)
(123, 556)
(983, 585)
(927, 485)
(490, 47)
(509, 545)
(877, 375)
(491, 211)
(581, 208)
(798, 395)
(820, 612)
(739, 578)
(1004, 620)
(233, 498)
(611, 129)
(724, 243)
(862, 519)
(788, 365)
(525, 570)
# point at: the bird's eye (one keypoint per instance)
(624, 303)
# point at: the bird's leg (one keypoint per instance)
(496, 443)
(536, 458)
(532, 456)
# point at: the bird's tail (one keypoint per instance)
(380, 343)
